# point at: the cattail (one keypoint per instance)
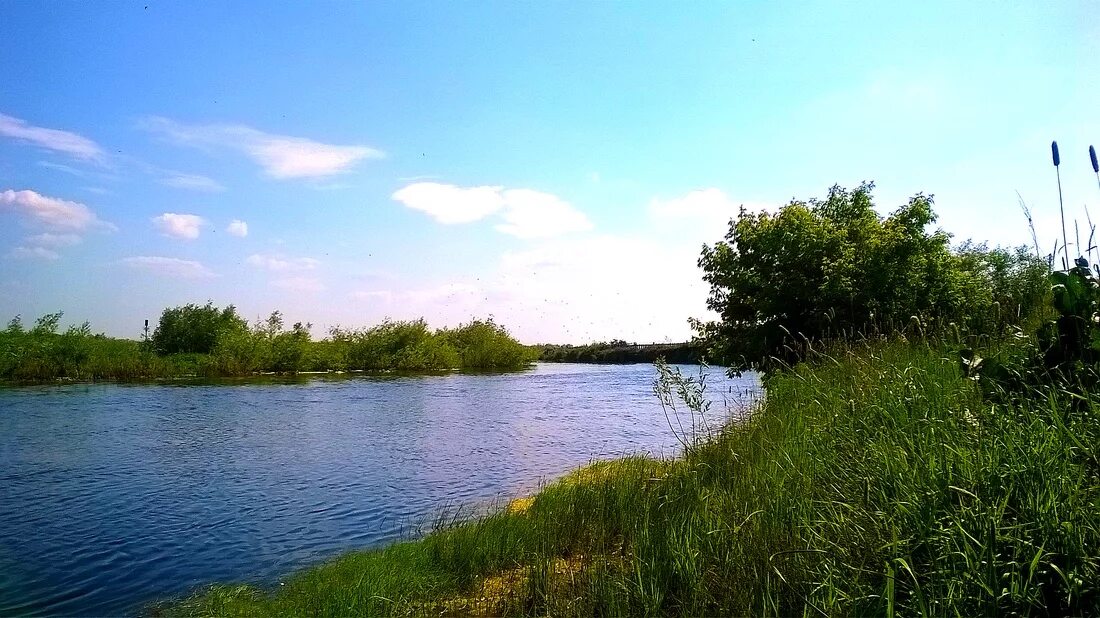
(1061, 204)
(1095, 165)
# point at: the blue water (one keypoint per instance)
(115, 496)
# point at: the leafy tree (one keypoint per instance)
(194, 328)
(404, 345)
(835, 267)
(484, 344)
(266, 347)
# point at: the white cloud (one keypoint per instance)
(600, 287)
(280, 263)
(281, 156)
(53, 240)
(641, 287)
(51, 212)
(711, 208)
(40, 253)
(191, 182)
(526, 213)
(180, 225)
(302, 285)
(237, 228)
(566, 290)
(65, 142)
(44, 246)
(533, 214)
(449, 204)
(168, 267)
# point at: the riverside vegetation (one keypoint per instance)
(203, 340)
(929, 444)
(619, 351)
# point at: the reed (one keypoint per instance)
(1095, 164)
(1061, 205)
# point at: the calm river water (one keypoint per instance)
(114, 496)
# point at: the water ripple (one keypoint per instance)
(112, 496)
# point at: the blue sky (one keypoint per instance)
(555, 165)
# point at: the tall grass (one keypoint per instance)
(873, 479)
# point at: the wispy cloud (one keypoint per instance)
(51, 212)
(709, 209)
(54, 240)
(96, 175)
(237, 228)
(191, 182)
(33, 253)
(65, 142)
(384, 296)
(526, 213)
(301, 285)
(280, 156)
(43, 246)
(280, 263)
(180, 225)
(168, 267)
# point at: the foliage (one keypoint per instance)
(1065, 352)
(619, 351)
(1071, 342)
(267, 347)
(194, 329)
(412, 346)
(42, 353)
(683, 396)
(484, 344)
(834, 268)
(872, 480)
(408, 346)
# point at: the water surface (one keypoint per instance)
(113, 496)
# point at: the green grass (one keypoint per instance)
(871, 481)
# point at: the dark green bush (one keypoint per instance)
(193, 328)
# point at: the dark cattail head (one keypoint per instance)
(1054, 152)
(1092, 155)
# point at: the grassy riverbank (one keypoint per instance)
(875, 480)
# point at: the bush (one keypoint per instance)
(194, 329)
(399, 345)
(834, 267)
(266, 347)
(484, 344)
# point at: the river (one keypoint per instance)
(115, 496)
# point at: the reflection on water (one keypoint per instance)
(115, 495)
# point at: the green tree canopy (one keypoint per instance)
(832, 267)
(194, 328)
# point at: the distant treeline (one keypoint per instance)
(619, 351)
(204, 340)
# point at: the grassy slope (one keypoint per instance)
(870, 482)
